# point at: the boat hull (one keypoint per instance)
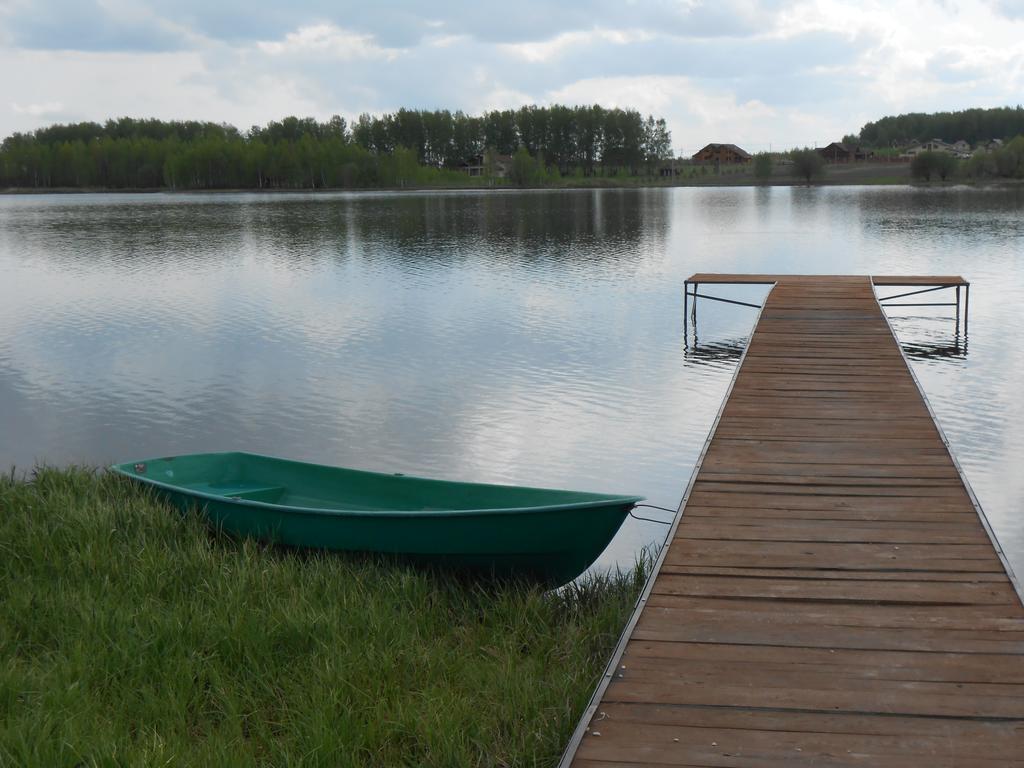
(540, 534)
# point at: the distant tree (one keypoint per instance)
(460, 136)
(657, 146)
(925, 165)
(590, 122)
(362, 131)
(407, 130)
(922, 165)
(337, 128)
(302, 152)
(946, 165)
(1016, 148)
(631, 125)
(401, 166)
(764, 164)
(561, 138)
(532, 122)
(524, 167)
(981, 165)
(490, 161)
(971, 125)
(808, 164)
(1009, 159)
(500, 132)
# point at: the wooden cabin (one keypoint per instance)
(837, 152)
(722, 154)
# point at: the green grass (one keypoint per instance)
(130, 635)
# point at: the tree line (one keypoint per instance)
(1005, 162)
(971, 125)
(404, 147)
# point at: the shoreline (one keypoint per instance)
(877, 181)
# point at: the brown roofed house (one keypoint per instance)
(837, 152)
(721, 154)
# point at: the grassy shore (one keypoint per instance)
(130, 635)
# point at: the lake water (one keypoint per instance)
(512, 337)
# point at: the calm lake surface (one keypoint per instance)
(513, 337)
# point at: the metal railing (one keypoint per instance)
(938, 287)
(690, 291)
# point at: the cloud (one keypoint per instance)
(1013, 9)
(973, 64)
(781, 73)
(700, 113)
(555, 47)
(167, 85)
(90, 25)
(152, 25)
(328, 40)
(39, 110)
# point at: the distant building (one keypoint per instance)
(837, 152)
(477, 166)
(722, 154)
(935, 145)
(985, 147)
(962, 146)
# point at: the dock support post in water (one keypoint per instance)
(967, 306)
(686, 299)
(958, 309)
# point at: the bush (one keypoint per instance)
(946, 165)
(763, 165)
(808, 164)
(982, 165)
(1005, 162)
(527, 169)
(1009, 160)
(925, 165)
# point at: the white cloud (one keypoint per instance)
(699, 115)
(38, 110)
(75, 86)
(545, 50)
(329, 40)
(445, 41)
(504, 98)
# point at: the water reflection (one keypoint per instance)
(524, 337)
(727, 352)
(930, 350)
(930, 337)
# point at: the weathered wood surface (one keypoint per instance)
(830, 596)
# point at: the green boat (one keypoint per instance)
(548, 535)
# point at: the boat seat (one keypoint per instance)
(244, 491)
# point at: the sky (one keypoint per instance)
(764, 75)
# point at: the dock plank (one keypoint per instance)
(830, 595)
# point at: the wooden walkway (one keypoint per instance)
(831, 594)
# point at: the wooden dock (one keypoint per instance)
(831, 594)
